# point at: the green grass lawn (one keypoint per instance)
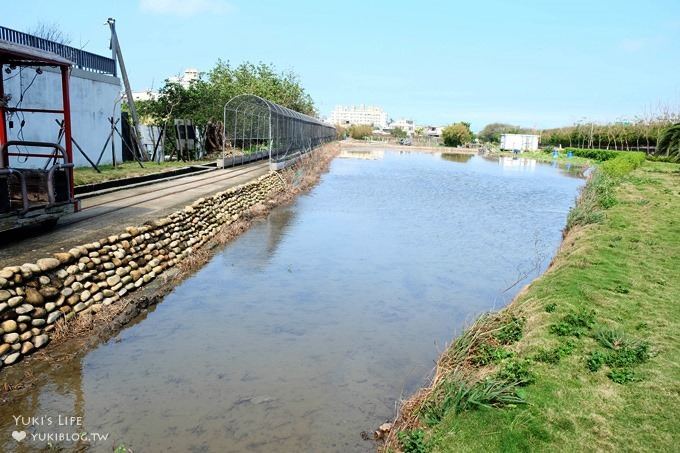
(598, 361)
(88, 175)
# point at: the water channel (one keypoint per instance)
(305, 330)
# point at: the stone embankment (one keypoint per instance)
(34, 297)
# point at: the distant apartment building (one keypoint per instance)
(190, 75)
(408, 126)
(432, 131)
(344, 115)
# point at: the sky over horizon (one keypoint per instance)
(530, 63)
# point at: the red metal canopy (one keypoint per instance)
(11, 53)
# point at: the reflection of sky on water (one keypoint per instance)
(304, 331)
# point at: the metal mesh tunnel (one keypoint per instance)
(259, 128)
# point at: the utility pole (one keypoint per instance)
(118, 55)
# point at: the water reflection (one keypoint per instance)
(517, 164)
(304, 331)
(453, 157)
(366, 154)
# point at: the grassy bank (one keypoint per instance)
(587, 358)
(88, 175)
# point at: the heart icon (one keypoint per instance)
(19, 435)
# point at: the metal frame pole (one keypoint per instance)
(67, 130)
(3, 130)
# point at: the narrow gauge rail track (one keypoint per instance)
(153, 193)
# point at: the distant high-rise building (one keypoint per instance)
(359, 115)
(190, 75)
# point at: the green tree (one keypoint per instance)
(492, 132)
(203, 100)
(457, 134)
(669, 142)
(360, 131)
(398, 132)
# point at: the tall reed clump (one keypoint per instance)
(476, 371)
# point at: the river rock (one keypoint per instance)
(85, 295)
(23, 319)
(64, 257)
(121, 271)
(4, 295)
(10, 338)
(79, 307)
(7, 274)
(47, 264)
(50, 306)
(34, 297)
(25, 270)
(52, 317)
(4, 347)
(10, 359)
(38, 322)
(26, 335)
(9, 326)
(75, 253)
(49, 292)
(15, 301)
(27, 347)
(44, 280)
(41, 340)
(24, 309)
(3, 306)
(66, 292)
(73, 299)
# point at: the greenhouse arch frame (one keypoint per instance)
(259, 128)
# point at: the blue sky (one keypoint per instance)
(531, 63)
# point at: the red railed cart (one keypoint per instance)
(36, 178)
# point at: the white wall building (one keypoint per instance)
(409, 126)
(362, 114)
(521, 142)
(94, 99)
(432, 131)
(190, 75)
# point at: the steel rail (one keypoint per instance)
(66, 221)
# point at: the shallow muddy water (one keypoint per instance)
(305, 330)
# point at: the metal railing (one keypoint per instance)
(256, 125)
(80, 58)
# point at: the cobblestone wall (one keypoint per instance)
(34, 296)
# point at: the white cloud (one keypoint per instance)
(184, 7)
